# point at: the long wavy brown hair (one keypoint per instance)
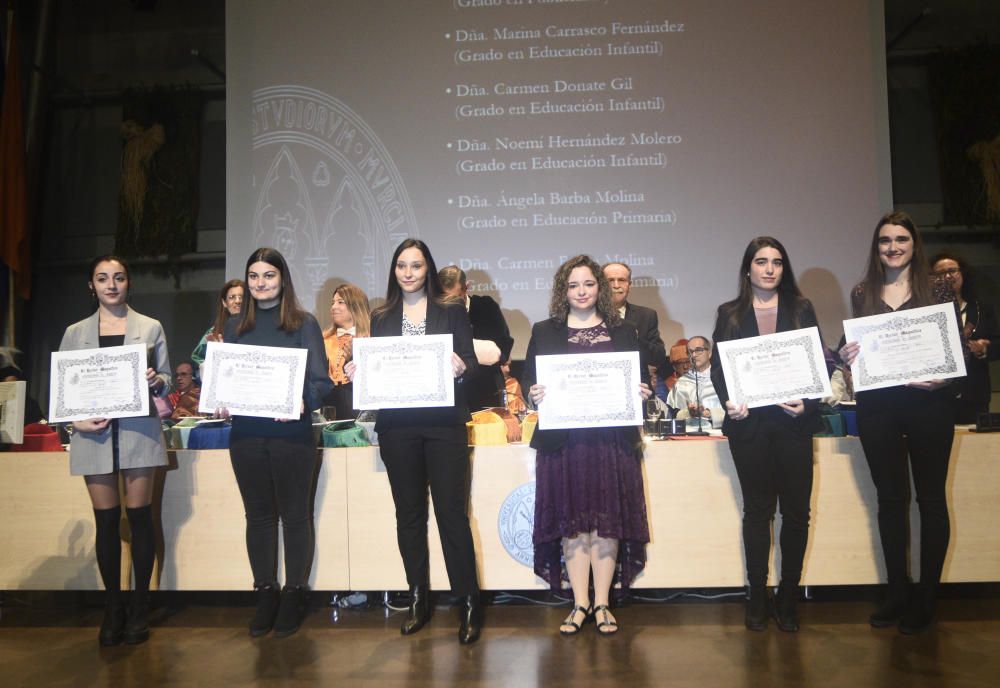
(357, 304)
(559, 304)
(221, 312)
(921, 283)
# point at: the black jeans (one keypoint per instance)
(276, 478)
(414, 458)
(894, 423)
(775, 468)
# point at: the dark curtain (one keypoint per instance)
(965, 95)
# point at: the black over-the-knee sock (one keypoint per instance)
(109, 548)
(140, 521)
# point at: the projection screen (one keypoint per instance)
(512, 134)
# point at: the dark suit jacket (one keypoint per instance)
(551, 337)
(977, 389)
(484, 389)
(652, 351)
(441, 319)
(809, 422)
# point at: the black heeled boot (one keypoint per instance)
(267, 609)
(472, 619)
(419, 612)
(786, 607)
(757, 608)
(891, 610)
(113, 626)
(291, 610)
(137, 626)
(918, 616)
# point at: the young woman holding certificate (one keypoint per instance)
(275, 461)
(590, 507)
(915, 420)
(129, 449)
(429, 446)
(771, 445)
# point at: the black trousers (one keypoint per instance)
(775, 468)
(414, 458)
(276, 477)
(896, 423)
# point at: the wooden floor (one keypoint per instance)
(46, 643)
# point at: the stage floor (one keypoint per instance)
(51, 640)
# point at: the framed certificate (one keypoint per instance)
(589, 390)
(906, 346)
(403, 372)
(12, 396)
(775, 368)
(109, 382)
(260, 381)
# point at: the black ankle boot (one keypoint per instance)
(918, 616)
(113, 626)
(892, 608)
(267, 608)
(786, 608)
(472, 619)
(419, 612)
(137, 626)
(291, 610)
(757, 608)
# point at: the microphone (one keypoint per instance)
(697, 398)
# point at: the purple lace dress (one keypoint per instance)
(594, 482)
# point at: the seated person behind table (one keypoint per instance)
(230, 303)
(695, 383)
(490, 337)
(841, 382)
(11, 372)
(679, 361)
(186, 393)
(350, 318)
(515, 397)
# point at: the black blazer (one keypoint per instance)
(484, 389)
(442, 318)
(550, 337)
(980, 323)
(809, 422)
(652, 350)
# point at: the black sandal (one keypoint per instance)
(607, 623)
(571, 620)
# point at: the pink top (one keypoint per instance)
(767, 319)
